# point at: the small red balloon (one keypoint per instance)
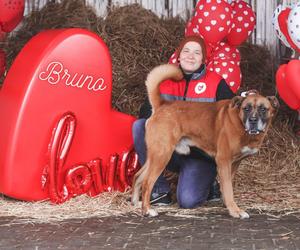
(2, 62)
(11, 14)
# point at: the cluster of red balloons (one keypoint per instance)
(11, 14)
(286, 21)
(287, 82)
(223, 26)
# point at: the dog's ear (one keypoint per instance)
(236, 101)
(274, 102)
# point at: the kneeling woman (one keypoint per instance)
(197, 171)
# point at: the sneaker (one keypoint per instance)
(163, 199)
(214, 193)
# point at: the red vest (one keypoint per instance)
(200, 89)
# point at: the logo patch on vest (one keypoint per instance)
(200, 87)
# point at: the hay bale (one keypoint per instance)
(138, 41)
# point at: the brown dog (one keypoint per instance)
(227, 130)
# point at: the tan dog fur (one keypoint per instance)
(217, 128)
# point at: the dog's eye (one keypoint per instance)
(263, 109)
(247, 108)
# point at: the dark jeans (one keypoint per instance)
(195, 174)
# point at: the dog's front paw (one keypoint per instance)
(244, 215)
(150, 213)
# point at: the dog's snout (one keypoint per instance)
(253, 118)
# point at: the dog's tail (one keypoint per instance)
(158, 75)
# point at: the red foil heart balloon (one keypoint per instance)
(292, 76)
(285, 91)
(58, 130)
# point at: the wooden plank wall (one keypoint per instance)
(263, 34)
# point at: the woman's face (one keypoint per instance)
(190, 57)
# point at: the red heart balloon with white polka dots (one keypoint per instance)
(229, 70)
(214, 19)
(243, 24)
(226, 52)
(11, 14)
(192, 27)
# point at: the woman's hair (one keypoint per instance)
(193, 38)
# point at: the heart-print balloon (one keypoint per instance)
(2, 62)
(11, 14)
(284, 90)
(214, 18)
(229, 70)
(293, 76)
(55, 109)
(243, 22)
(227, 52)
(192, 27)
(283, 25)
(276, 26)
(293, 24)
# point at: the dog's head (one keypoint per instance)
(255, 111)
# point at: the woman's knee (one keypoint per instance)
(189, 200)
(138, 128)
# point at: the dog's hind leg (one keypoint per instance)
(137, 183)
(155, 168)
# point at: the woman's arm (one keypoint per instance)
(146, 109)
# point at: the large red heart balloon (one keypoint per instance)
(11, 14)
(55, 109)
(284, 90)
